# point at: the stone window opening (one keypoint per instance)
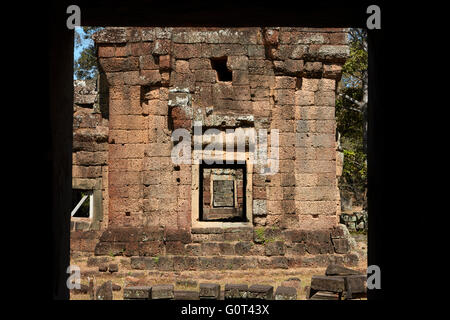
(220, 66)
(87, 207)
(82, 203)
(222, 192)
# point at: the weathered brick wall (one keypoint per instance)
(89, 162)
(161, 79)
(90, 132)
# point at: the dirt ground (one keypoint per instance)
(190, 280)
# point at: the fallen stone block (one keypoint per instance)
(186, 295)
(137, 293)
(355, 286)
(84, 289)
(337, 270)
(328, 283)
(162, 291)
(236, 291)
(96, 261)
(292, 282)
(113, 267)
(116, 287)
(104, 292)
(325, 295)
(209, 291)
(357, 283)
(259, 291)
(286, 293)
(103, 268)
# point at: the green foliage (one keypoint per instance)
(85, 67)
(349, 118)
(349, 121)
(260, 235)
(84, 208)
(356, 65)
(355, 170)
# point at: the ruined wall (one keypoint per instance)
(89, 163)
(161, 79)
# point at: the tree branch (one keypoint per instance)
(358, 103)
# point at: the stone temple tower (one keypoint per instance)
(200, 214)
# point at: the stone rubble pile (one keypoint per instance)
(339, 283)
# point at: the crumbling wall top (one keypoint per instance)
(313, 44)
(85, 91)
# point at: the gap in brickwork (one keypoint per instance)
(144, 91)
(86, 105)
(220, 65)
(298, 83)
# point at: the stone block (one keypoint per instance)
(304, 98)
(113, 267)
(292, 282)
(285, 293)
(116, 287)
(258, 291)
(236, 291)
(84, 289)
(209, 291)
(137, 293)
(104, 292)
(237, 62)
(161, 47)
(97, 261)
(355, 284)
(274, 248)
(144, 263)
(186, 295)
(328, 283)
(341, 245)
(103, 268)
(163, 291)
(243, 247)
(332, 71)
